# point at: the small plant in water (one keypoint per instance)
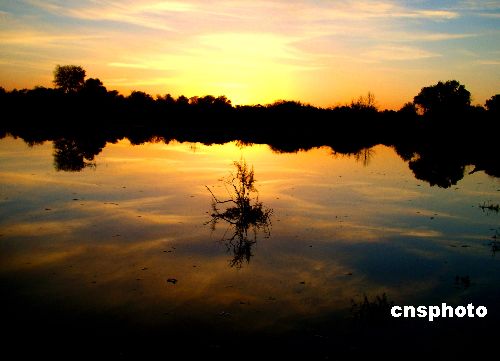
(369, 311)
(490, 207)
(495, 243)
(242, 211)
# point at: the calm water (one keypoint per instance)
(98, 247)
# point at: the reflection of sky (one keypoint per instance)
(109, 238)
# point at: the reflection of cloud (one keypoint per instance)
(72, 251)
(44, 258)
(353, 232)
(42, 180)
(425, 233)
(387, 193)
(44, 228)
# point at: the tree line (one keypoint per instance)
(439, 133)
(77, 97)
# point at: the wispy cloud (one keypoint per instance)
(132, 82)
(433, 14)
(428, 37)
(479, 4)
(128, 65)
(158, 14)
(266, 49)
(489, 62)
(489, 9)
(39, 39)
(141, 13)
(490, 15)
(397, 53)
(363, 10)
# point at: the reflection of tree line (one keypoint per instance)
(442, 163)
(439, 133)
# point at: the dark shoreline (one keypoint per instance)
(436, 154)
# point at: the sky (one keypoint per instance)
(324, 53)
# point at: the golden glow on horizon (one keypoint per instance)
(317, 52)
(246, 66)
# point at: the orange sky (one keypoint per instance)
(320, 52)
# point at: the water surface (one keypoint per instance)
(97, 247)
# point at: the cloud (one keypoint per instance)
(126, 82)
(397, 53)
(141, 13)
(490, 15)
(129, 65)
(364, 10)
(433, 14)
(480, 4)
(247, 45)
(411, 37)
(38, 39)
(489, 62)
(165, 15)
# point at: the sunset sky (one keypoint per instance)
(316, 51)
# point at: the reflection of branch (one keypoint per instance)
(490, 207)
(241, 216)
(216, 200)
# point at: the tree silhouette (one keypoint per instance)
(443, 98)
(93, 87)
(493, 104)
(365, 103)
(69, 78)
(140, 99)
(409, 109)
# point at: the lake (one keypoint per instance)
(122, 255)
